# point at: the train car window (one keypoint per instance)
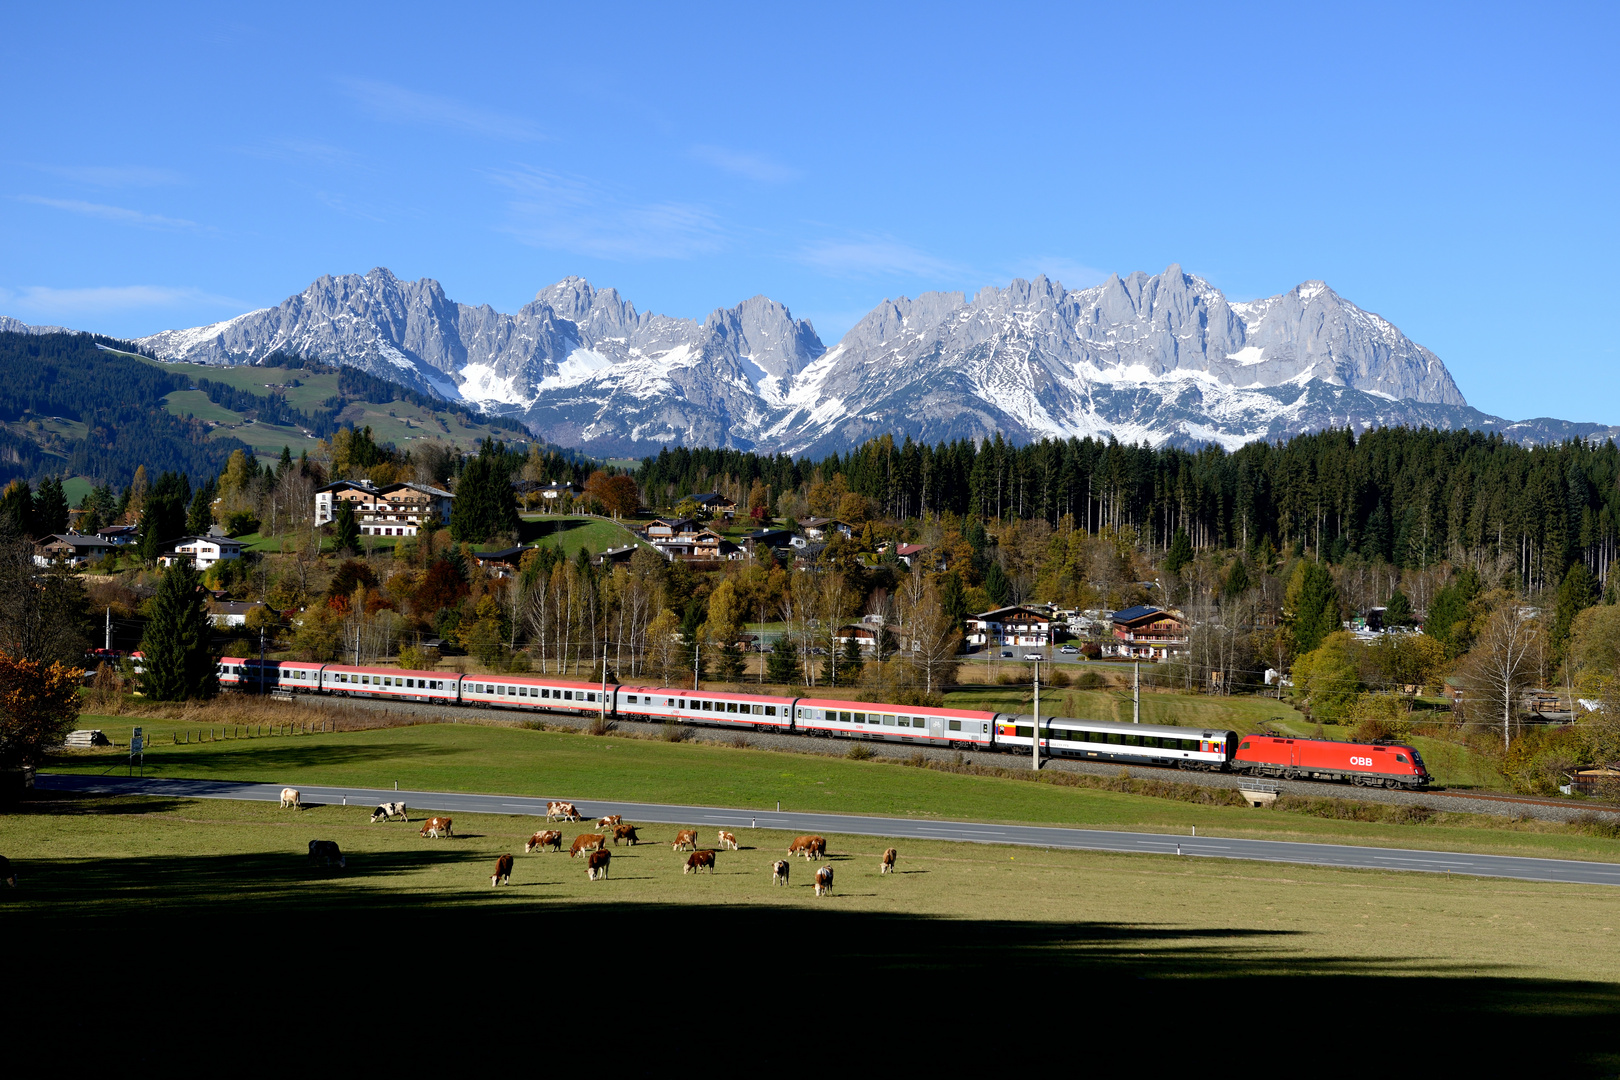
(770, 710)
(986, 728)
(1401, 758)
(1024, 732)
(860, 718)
(669, 702)
(631, 700)
(683, 703)
(758, 710)
(591, 697)
(731, 706)
(888, 721)
(568, 695)
(956, 725)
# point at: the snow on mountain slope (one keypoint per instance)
(1156, 357)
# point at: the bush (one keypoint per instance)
(674, 732)
(1606, 826)
(1089, 680)
(1060, 678)
(859, 752)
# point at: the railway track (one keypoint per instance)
(1608, 808)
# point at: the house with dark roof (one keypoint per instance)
(820, 528)
(1145, 632)
(713, 503)
(75, 549)
(1015, 625)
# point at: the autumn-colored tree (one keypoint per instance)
(618, 494)
(39, 704)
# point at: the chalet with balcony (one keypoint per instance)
(820, 528)
(1018, 626)
(713, 504)
(397, 509)
(1148, 633)
(74, 549)
(202, 551)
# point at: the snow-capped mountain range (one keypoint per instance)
(1165, 358)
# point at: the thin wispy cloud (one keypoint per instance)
(582, 216)
(42, 300)
(876, 257)
(119, 214)
(750, 166)
(325, 154)
(385, 101)
(115, 176)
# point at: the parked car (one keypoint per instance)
(1069, 649)
(1033, 656)
(1007, 654)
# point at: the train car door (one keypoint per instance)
(936, 727)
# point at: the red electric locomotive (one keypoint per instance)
(1363, 764)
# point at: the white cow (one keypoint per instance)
(290, 798)
(388, 811)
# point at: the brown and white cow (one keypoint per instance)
(596, 866)
(503, 871)
(7, 874)
(564, 811)
(610, 822)
(587, 842)
(326, 852)
(388, 811)
(627, 833)
(728, 840)
(811, 847)
(685, 838)
(550, 838)
(437, 826)
(887, 865)
(291, 799)
(824, 878)
(779, 872)
(698, 860)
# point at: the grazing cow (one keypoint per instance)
(597, 863)
(7, 874)
(685, 838)
(626, 833)
(887, 865)
(811, 847)
(437, 826)
(503, 871)
(727, 840)
(291, 799)
(587, 842)
(609, 822)
(326, 853)
(779, 872)
(550, 838)
(824, 881)
(698, 860)
(388, 811)
(563, 811)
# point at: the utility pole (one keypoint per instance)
(697, 664)
(261, 660)
(604, 687)
(1136, 695)
(108, 646)
(1035, 743)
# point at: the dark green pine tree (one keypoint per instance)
(17, 509)
(1448, 611)
(178, 663)
(1578, 592)
(953, 598)
(1317, 611)
(732, 662)
(284, 466)
(782, 665)
(348, 530)
(1237, 579)
(163, 520)
(843, 665)
(1180, 553)
(485, 503)
(996, 585)
(200, 518)
(50, 507)
(1398, 612)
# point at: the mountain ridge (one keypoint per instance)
(1161, 357)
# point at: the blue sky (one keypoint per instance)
(1451, 168)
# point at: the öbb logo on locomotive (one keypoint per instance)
(964, 729)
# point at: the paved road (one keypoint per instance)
(1438, 862)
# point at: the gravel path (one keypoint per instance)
(803, 744)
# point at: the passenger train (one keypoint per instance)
(963, 729)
